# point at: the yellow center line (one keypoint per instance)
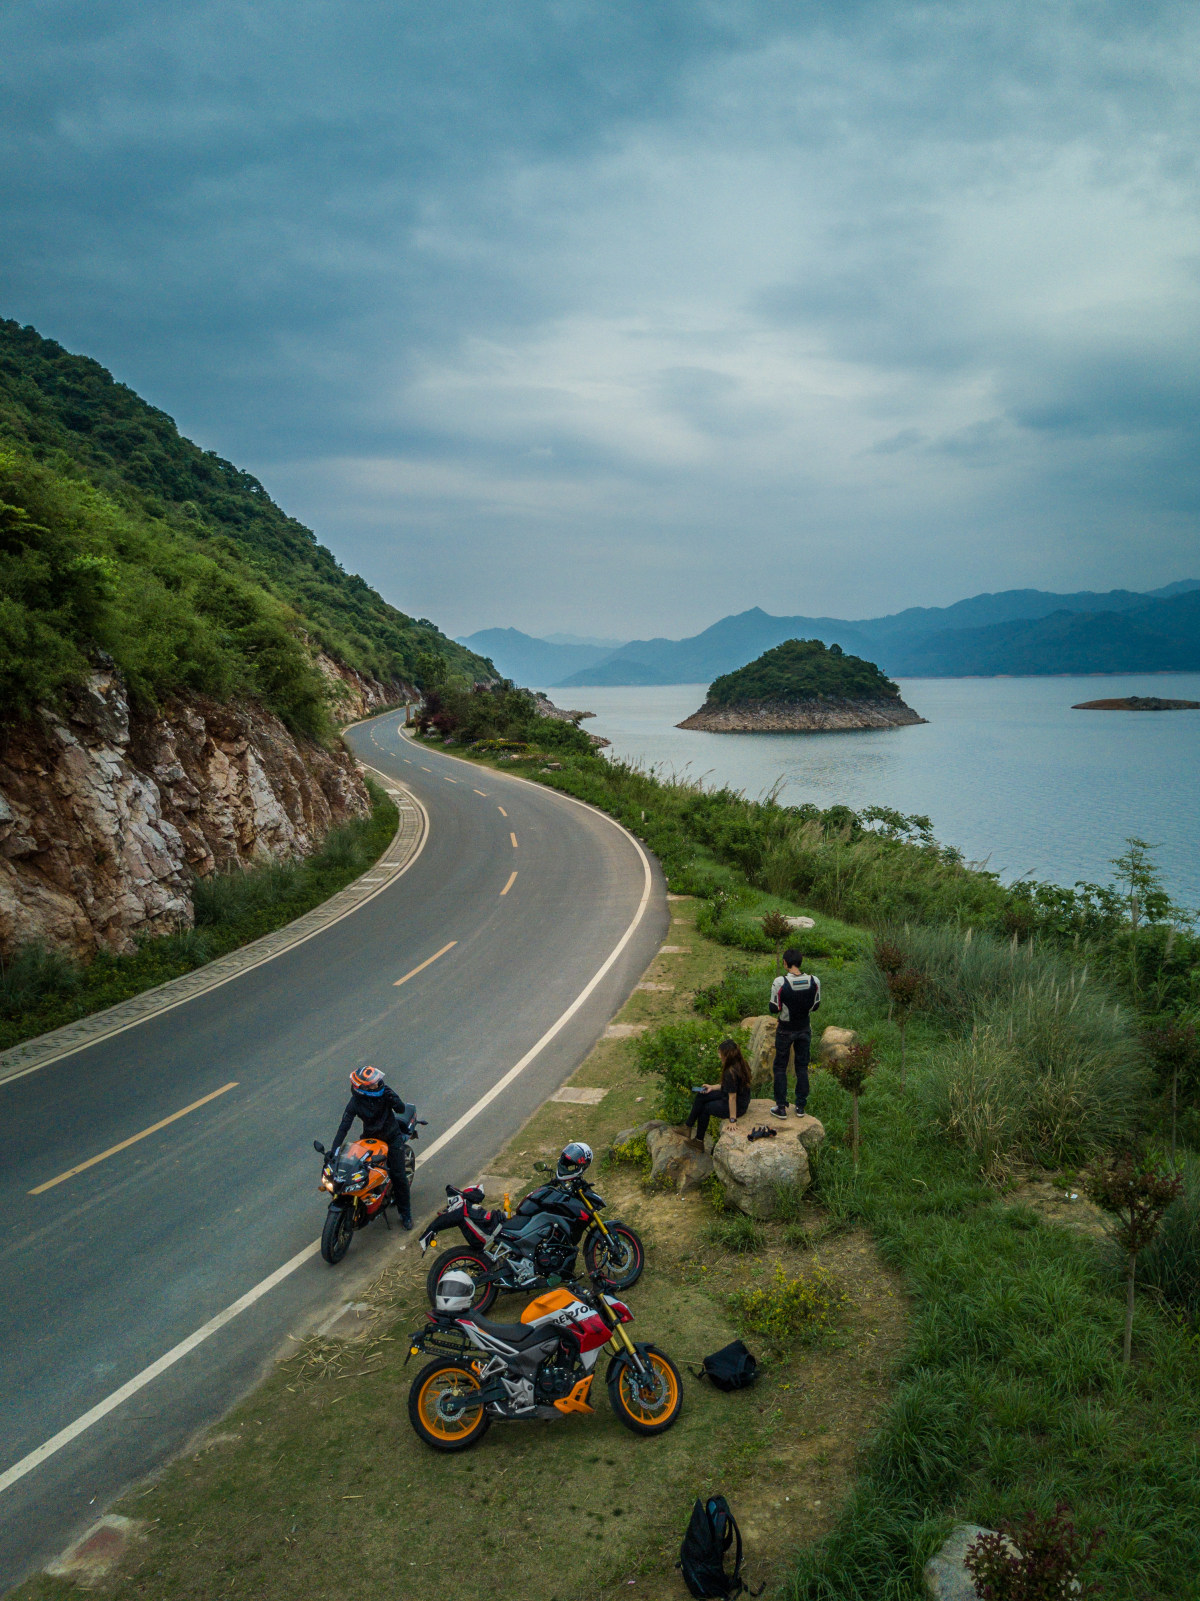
(450, 780)
(132, 1140)
(501, 810)
(512, 879)
(513, 837)
(423, 965)
(482, 792)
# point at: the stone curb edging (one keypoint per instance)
(411, 832)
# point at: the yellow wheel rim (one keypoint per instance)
(437, 1388)
(650, 1405)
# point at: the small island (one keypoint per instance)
(1137, 703)
(802, 686)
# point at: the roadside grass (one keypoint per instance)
(317, 1481)
(40, 991)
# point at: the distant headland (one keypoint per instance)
(802, 686)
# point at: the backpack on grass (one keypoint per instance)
(730, 1368)
(711, 1531)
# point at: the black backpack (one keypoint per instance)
(710, 1533)
(731, 1368)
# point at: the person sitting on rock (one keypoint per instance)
(794, 997)
(730, 1098)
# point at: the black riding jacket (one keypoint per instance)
(381, 1115)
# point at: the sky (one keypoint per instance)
(613, 318)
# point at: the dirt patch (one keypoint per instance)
(1058, 1198)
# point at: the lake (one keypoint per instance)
(1007, 771)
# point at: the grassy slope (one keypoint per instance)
(67, 411)
(39, 993)
(803, 669)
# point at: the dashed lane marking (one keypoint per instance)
(512, 879)
(133, 1139)
(501, 810)
(421, 966)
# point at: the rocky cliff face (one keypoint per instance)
(801, 716)
(105, 814)
(352, 695)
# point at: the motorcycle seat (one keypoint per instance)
(513, 1333)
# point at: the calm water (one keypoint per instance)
(1006, 770)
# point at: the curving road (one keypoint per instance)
(109, 1270)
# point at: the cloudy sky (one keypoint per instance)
(615, 317)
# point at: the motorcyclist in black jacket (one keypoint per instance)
(380, 1110)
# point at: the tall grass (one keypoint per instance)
(1171, 1264)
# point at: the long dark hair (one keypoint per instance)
(732, 1059)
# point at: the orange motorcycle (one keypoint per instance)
(357, 1178)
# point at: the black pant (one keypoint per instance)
(705, 1105)
(785, 1042)
(399, 1176)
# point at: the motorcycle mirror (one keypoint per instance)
(540, 1167)
(317, 1146)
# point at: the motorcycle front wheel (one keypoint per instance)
(337, 1233)
(618, 1260)
(649, 1404)
(472, 1262)
(438, 1382)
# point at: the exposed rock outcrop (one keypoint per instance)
(825, 715)
(676, 1159)
(753, 1170)
(353, 695)
(105, 814)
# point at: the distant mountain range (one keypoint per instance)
(1018, 632)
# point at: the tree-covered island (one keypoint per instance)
(802, 686)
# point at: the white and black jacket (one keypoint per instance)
(793, 998)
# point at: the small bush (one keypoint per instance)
(791, 1312)
(742, 992)
(738, 1233)
(1170, 1265)
(681, 1054)
(634, 1151)
(713, 1192)
(1045, 1564)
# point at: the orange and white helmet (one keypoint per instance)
(367, 1080)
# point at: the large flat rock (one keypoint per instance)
(753, 1170)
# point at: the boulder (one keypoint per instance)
(626, 1134)
(753, 1170)
(946, 1576)
(835, 1042)
(674, 1157)
(761, 1051)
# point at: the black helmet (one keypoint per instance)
(574, 1161)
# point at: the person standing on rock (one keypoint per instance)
(730, 1098)
(794, 998)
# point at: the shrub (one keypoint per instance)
(634, 1151)
(1044, 1566)
(791, 1311)
(741, 992)
(681, 1054)
(35, 976)
(738, 1233)
(852, 1071)
(1170, 1264)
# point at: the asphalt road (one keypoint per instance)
(107, 1271)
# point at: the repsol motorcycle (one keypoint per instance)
(539, 1242)
(542, 1367)
(357, 1177)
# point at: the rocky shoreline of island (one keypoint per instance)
(822, 714)
(1136, 703)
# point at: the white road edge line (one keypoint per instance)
(169, 1358)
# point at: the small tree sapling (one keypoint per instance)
(852, 1071)
(777, 928)
(1038, 1559)
(1135, 1196)
(904, 988)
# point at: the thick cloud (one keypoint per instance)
(570, 315)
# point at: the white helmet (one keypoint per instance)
(455, 1291)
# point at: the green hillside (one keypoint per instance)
(188, 518)
(802, 669)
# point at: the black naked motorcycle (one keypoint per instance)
(539, 1242)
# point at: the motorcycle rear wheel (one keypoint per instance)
(620, 1264)
(410, 1163)
(472, 1262)
(447, 1376)
(337, 1233)
(649, 1409)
